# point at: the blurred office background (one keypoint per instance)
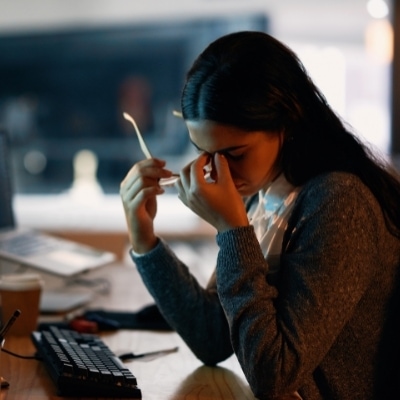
(68, 69)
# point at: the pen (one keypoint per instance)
(131, 356)
(8, 325)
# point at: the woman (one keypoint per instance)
(305, 287)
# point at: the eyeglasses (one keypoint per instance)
(163, 181)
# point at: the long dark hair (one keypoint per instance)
(254, 82)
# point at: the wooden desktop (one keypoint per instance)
(178, 375)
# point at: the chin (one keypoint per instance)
(245, 191)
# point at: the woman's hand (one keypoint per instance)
(138, 192)
(217, 202)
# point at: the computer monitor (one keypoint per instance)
(6, 189)
(65, 90)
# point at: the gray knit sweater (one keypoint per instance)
(320, 328)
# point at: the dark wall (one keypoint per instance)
(396, 82)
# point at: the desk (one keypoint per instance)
(100, 221)
(174, 376)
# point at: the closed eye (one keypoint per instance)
(233, 156)
(234, 152)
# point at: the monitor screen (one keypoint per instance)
(65, 91)
(6, 194)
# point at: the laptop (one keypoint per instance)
(36, 249)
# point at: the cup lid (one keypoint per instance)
(21, 281)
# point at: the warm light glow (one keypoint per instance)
(377, 9)
(379, 40)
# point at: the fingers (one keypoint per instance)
(145, 173)
(210, 169)
(223, 173)
(194, 173)
(151, 169)
(141, 182)
(218, 171)
(137, 192)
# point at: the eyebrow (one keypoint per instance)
(226, 150)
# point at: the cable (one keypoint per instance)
(34, 357)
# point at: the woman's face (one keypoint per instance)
(252, 156)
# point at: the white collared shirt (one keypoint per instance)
(269, 216)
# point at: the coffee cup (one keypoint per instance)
(23, 292)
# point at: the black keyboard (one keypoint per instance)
(82, 365)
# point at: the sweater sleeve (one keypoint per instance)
(192, 310)
(281, 333)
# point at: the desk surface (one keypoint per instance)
(174, 376)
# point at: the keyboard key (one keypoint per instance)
(82, 365)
